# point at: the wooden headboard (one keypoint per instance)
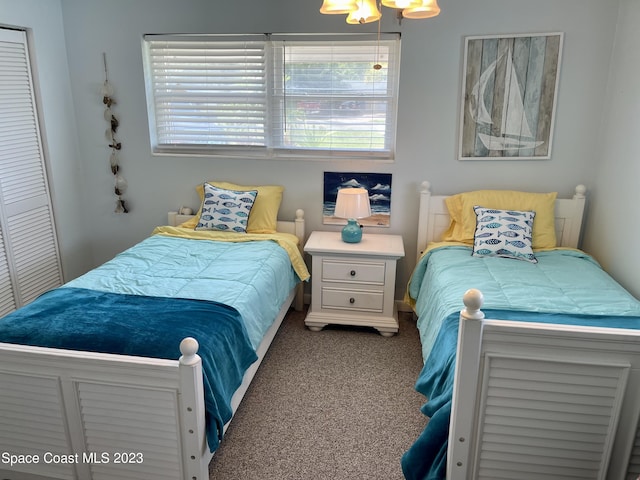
(433, 218)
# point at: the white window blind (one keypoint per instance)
(273, 95)
(207, 93)
(29, 259)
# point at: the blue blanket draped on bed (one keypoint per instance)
(88, 320)
(565, 287)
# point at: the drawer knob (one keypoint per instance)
(352, 300)
(352, 273)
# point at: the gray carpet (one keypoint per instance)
(336, 404)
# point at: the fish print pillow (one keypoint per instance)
(225, 210)
(503, 233)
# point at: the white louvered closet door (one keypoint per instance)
(29, 258)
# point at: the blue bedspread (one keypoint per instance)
(253, 277)
(565, 286)
(89, 320)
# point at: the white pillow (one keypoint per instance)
(503, 233)
(225, 210)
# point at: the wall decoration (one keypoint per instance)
(120, 184)
(509, 91)
(377, 184)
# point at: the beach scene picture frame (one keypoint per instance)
(509, 94)
(377, 184)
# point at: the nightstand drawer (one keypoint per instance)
(352, 300)
(357, 272)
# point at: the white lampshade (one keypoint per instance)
(428, 9)
(352, 203)
(331, 7)
(367, 12)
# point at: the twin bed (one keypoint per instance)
(134, 370)
(550, 386)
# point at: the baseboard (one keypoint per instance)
(403, 306)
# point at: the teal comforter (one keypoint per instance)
(148, 298)
(565, 286)
(253, 277)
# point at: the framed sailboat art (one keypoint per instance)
(508, 101)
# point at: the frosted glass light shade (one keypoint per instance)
(352, 203)
(366, 12)
(401, 3)
(428, 9)
(331, 7)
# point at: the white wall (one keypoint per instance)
(614, 221)
(428, 109)
(43, 21)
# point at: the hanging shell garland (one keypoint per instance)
(120, 184)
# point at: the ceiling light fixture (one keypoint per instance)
(367, 11)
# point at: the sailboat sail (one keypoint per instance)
(514, 132)
(477, 106)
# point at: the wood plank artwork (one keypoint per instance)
(508, 96)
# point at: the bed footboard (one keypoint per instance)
(542, 401)
(79, 415)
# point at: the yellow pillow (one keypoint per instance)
(463, 219)
(264, 214)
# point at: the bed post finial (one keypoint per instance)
(473, 300)
(189, 349)
(299, 226)
(425, 187)
(580, 190)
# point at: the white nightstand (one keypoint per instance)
(354, 283)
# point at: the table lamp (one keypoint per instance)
(352, 203)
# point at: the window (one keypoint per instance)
(272, 95)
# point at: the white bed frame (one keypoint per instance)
(93, 416)
(540, 401)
